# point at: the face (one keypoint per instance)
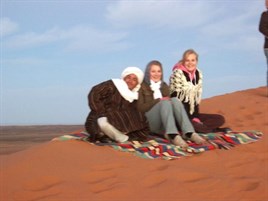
(155, 73)
(190, 62)
(131, 80)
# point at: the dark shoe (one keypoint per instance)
(105, 139)
(224, 130)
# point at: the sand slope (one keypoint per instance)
(74, 170)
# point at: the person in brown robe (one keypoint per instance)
(113, 112)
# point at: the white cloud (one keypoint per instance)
(32, 39)
(23, 62)
(78, 38)
(251, 43)
(7, 26)
(91, 39)
(174, 14)
(230, 26)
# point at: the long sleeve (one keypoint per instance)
(100, 97)
(263, 27)
(146, 100)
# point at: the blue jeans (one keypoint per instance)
(164, 117)
(266, 54)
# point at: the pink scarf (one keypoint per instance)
(183, 68)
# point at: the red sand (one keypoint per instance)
(74, 170)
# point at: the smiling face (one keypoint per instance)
(190, 62)
(155, 73)
(131, 80)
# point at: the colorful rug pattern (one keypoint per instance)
(157, 147)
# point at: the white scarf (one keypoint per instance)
(125, 92)
(186, 91)
(155, 86)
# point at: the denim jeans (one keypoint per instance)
(167, 115)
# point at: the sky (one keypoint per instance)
(54, 51)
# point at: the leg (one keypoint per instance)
(211, 121)
(110, 130)
(266, 54)
(185, 124)
(181, 116)
(161, 120)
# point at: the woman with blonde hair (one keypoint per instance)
(186, 84)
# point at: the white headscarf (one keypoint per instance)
(121, 85)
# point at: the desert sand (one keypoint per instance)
(74, 170)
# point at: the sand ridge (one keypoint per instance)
(75, 170)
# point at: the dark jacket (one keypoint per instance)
(263, 27)
(146, 96)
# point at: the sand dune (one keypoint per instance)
(75, 170)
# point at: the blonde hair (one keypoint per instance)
(186, 54)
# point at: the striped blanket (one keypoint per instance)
(157, 147)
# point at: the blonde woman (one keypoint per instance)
(186, 84)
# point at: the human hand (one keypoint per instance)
(197, 120)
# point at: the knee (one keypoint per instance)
(165, 107)
(165, 104)
(176, 102)
(219, 118)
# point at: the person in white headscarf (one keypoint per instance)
(113, 114)
(166, 116)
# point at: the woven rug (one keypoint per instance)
(157, 147)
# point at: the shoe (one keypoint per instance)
(105, 139)
(178, 141)
(225, 130)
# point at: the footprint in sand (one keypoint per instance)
(110, 166)
(192, 176)
(246, 184)
(159, 167)
(39, 188)
(258, 113)
(242, 108)
(250, 117)
(97, 176)
(35, 195)
(154, 180)
(101, 181)
(41, 183)
(251, 186)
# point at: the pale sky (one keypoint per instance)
(54, 51)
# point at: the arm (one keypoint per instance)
(165, 90)
(263, 27)
(100, 95)
(145, 101)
